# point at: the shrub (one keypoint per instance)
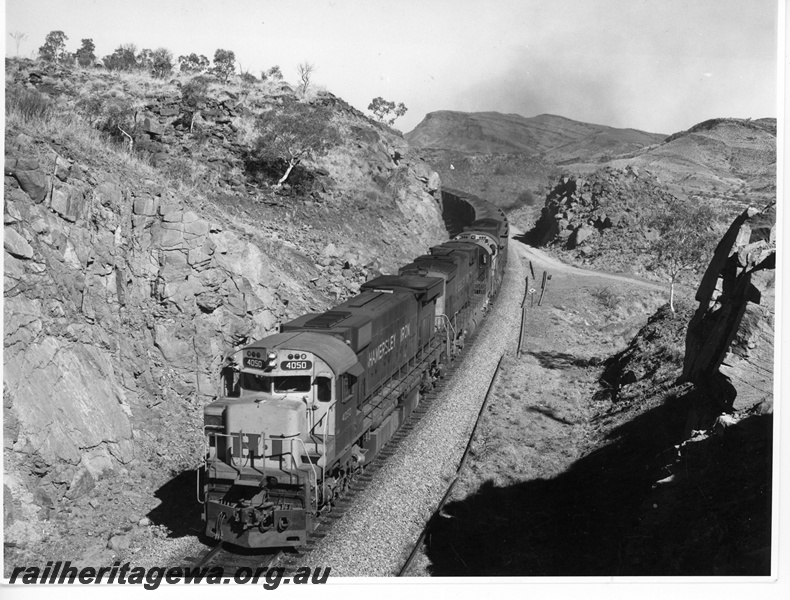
(526, 197)
(606, 297)
(161, 63)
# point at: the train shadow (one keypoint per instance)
(179, 510)
(562, 360)
(602, 517)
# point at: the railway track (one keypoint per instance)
(234, 559)
(291, 561)
(462, 463)
(235, 563)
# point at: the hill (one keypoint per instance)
(732, 159)
(550, 137)
(512, 160)
(136, 259)
(515, 161)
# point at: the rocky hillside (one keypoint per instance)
(733, 160)
(599, 220)
(690, 402)
(128, 276)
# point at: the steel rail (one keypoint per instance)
(461, 465)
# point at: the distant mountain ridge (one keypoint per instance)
(551, 137)
(507, 158)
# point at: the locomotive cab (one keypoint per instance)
(269, 435)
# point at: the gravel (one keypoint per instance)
(376, 534)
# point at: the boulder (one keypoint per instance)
(146, 206)
(16, 245)
(580, 235)
(34, 183)
(152, 127)
(68, 202)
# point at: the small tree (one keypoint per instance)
(193, 64)
(305, 71)
(118, 119)
(385, 111)
(85, 55)
(145, 60)
(54, 46)
(685, 239)
(273, 73)
(162, 63)
(224, 64)
(299, 132)
(193, 95)
(124, 58)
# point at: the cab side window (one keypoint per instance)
(347, 385)
(323, 390)
(230, 382)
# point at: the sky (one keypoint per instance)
(656, 65)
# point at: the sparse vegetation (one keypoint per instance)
(273, 73)
(19, 37)
(54, 48)
(298, 132)
(193, 64)
(305, 71)
(607, 297)
(224, 64)
(386, 111)
(193, 94)
(27, 105)
(161, 63)
(124, 58)
(85, 56)
(526, 198)
(686, 239)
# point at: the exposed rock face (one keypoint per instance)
(122, 295)
(599, 215)
(730, 339)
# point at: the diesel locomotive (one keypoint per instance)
(303, 411)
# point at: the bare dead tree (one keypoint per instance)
(305, 70)
(19, 37)
(129, 138)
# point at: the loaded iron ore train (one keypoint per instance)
(303, 411)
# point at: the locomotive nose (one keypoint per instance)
(274, 416)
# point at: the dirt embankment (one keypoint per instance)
(593, 460)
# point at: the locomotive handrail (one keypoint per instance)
(312, 466)
(450, 326)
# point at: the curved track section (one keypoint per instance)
(377, 531)
(433, 438)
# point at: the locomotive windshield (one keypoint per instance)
(275, 385)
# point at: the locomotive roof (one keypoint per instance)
(334, 352)
(424, 288)
(426, 262)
